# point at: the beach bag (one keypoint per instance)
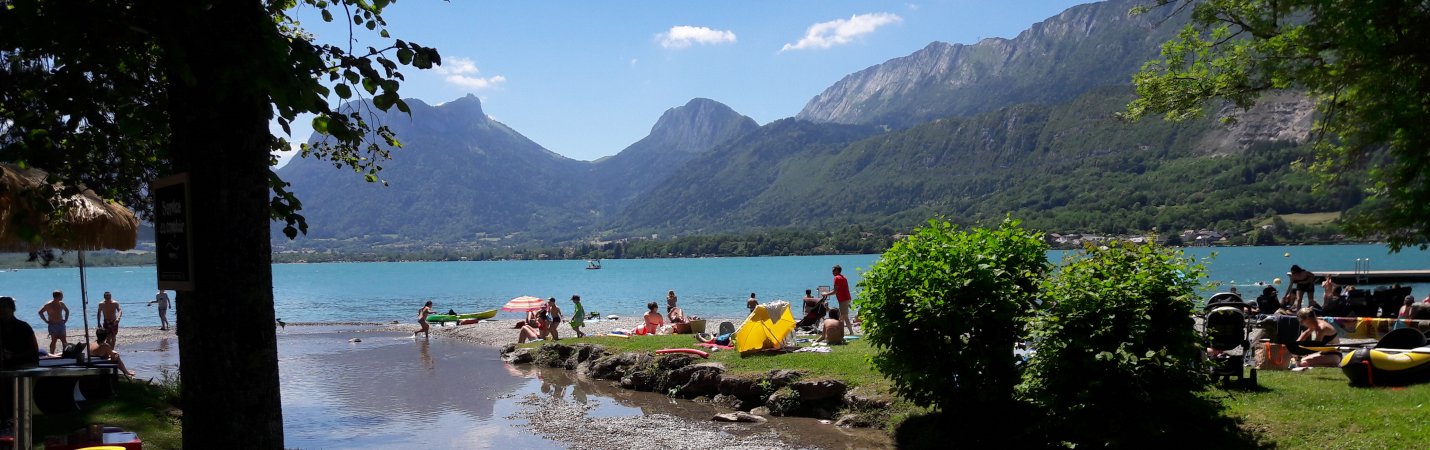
(1271, 356)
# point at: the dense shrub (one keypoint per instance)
(945, 308)
(1117, 357)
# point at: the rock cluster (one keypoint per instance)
(780, 392)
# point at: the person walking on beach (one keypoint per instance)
(841, 293)
(422, 321)
(108, 316)
(553, 318)
(578, 316)
(55, 314)
(1304, 283)
(162, 299)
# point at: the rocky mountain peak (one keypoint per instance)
(700, 120)
(468, 106)
(1084, 47)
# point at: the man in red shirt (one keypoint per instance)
(841, 292)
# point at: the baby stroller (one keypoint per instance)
(814, 317)
(1228, 338)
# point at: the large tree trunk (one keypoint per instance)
(228, 354)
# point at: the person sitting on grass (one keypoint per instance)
(1318, 333)
(833, 329)
(100, 349)
(525, 332)
(653, 320)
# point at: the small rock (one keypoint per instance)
(739, 416)
(815, 390)
(518, 356)
(728, 401)
(760, 411)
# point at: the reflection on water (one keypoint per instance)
(606, 400)
(388, 391)
(393, 391)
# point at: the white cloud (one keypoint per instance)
(841, 31)
(634, 61)
(475, 82)
(460, 71)
(684, 36)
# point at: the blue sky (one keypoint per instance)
(586, 79)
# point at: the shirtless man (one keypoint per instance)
(108, 316)
(653, 319)
(55, 313)
(833, 329)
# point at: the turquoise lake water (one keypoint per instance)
(717, 287)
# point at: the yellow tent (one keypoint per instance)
(767, 327)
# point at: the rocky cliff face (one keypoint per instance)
(1085, 47)
(1279, 117)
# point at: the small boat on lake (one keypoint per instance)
(593, 264)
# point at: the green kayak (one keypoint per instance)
(439, 318)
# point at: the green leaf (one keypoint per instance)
(320, 124)
(343, 91)
(404, 55)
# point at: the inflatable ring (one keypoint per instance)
(689, 351)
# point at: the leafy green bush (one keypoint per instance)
(945, 308)
(1116, 352)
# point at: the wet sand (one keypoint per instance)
(393, 391)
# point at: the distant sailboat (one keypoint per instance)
(593, 264)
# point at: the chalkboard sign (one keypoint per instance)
(173, 252)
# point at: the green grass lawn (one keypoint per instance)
(1320, 218)
(1318, 409)
(136, 406)
(849, 363)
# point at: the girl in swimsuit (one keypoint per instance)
(422, 320)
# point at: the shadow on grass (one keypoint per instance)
(1199, 423)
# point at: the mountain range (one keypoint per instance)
(1023, 126)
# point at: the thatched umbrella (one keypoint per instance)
(36, 215)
